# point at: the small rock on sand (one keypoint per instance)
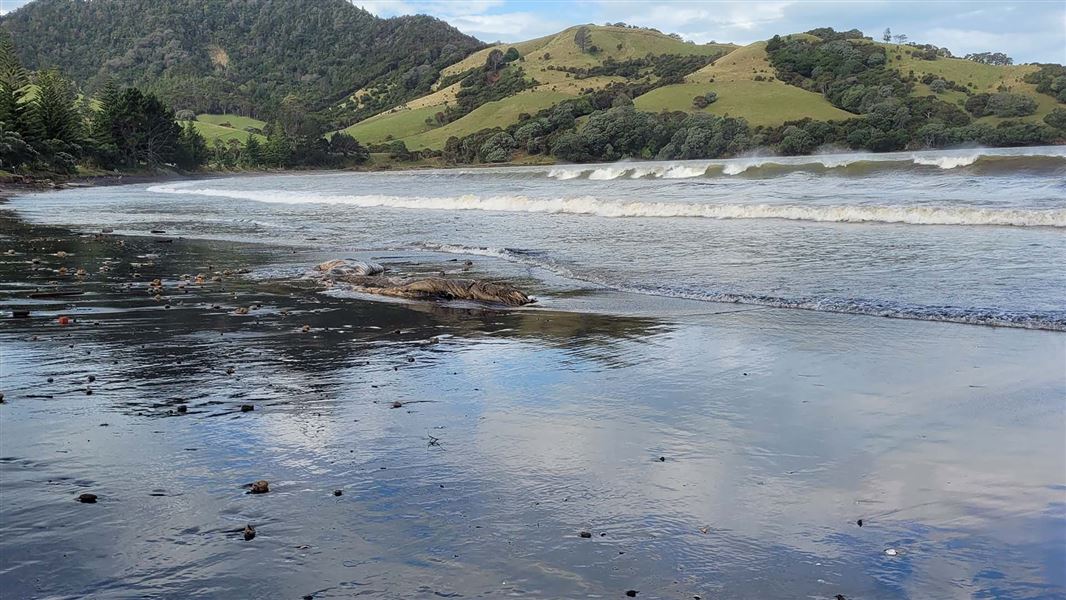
(259, 487)
(337, 492)
(182, 409)
(87, 498)
(247, 408)
(585, 534)
(632, 593)
(249, 532)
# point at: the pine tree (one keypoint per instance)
(56, 105)
(252, 154)
(16, 110)
(101, 121)
(192, 148)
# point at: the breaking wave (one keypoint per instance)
(981, 159)
(588, 205)
(1047, 320)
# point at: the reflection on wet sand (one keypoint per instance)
(711, 455)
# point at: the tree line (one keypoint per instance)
(46, 126)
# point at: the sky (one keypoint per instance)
(1028, 31)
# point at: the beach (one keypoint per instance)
(711, 450)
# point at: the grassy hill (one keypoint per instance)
(762, 101)
(542, 60)
(975, 76)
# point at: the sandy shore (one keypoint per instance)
(709, 451)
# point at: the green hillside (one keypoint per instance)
(499, 113)
(974, 76)
(762, 101)
(543, 60)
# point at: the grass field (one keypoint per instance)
(235, 121)
(759, 102)
(399, 124)
(492, 114)
(210, 126)
(213, 132)
(768, 102)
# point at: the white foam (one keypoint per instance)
(588, 205)
(604, 173)
(684, 171)
(565, 173)
(947, 162)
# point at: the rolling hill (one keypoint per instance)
(747, 88)
(743, 79)
(546, 60)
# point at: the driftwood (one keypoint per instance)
(369, 278)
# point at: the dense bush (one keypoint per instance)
(1056, 118)
(1050, 80)
(1000, 104)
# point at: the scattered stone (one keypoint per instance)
(839, 597)
(88, 391)
(306, 328)
(662, 459)
(585, 534)
(241, 310)
(632, 593)
(249, 532)
(20, 313)
(859, 522)
(50, 380)
(64, 320)
(230, 370)
(410, 359)
(247, 408)
(182, 409)
(92, 378)
(397, 404)
(337, 492)
(156, 231)
(87, 498)
(259, 487)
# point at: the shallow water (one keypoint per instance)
(710, 450)
(972, 236)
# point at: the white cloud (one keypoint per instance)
(385, 8)
(965, 41)
(508, 27)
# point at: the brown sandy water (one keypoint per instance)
(710, 452)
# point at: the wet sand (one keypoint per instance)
(710, 451)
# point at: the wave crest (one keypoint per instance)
(1051, 158)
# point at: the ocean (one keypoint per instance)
(970, 236)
